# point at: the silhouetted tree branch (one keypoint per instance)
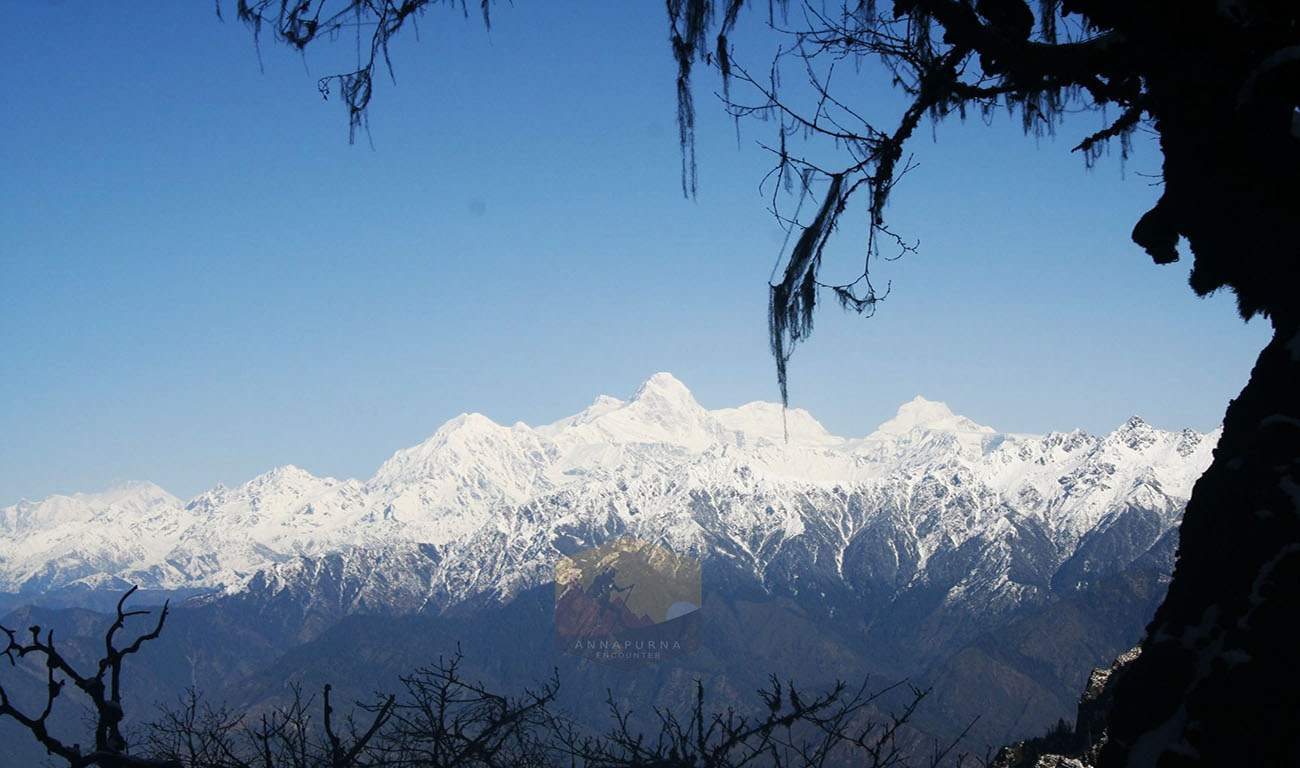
(444, 720)
(371, 24)
(196, 735)
(1217, 83)
(103, 689)
(1189, 72)
(794, 731)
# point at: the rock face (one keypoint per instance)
(1078, 746)
(1218, 682)
(1090, 727)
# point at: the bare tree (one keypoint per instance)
(197, 735)
(447, 720)
(837, 727)
(103, 688)
(444, 720)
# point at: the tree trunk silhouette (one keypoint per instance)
(103, 689)
(1217, 682)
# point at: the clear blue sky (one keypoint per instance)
(200, 279)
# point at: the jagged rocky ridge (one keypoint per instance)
(1076, 745)
(929, 510)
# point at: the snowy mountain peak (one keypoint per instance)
(769, 421)
(658, 465)
(287, 473)
(131, 489)
(661, 411)
(122, 499)
(132, 494)
(126, 491)
(457, 446)
(1135, 434)
(664, 386)
(474, 422)
(602, 405)
(920, 413)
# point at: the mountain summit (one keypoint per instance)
(496, 503)
(665, 387)
(919, 413)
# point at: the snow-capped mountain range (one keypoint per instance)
(481, 509)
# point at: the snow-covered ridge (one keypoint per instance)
(492, 500)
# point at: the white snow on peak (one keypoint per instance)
(600, 406)
(465, 435)
(651, 461)
(661, 411)
(919, 413)
(128, 499)
(666, 387)
(470, 463)
(769, 421)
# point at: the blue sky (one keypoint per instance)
(201, 279)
